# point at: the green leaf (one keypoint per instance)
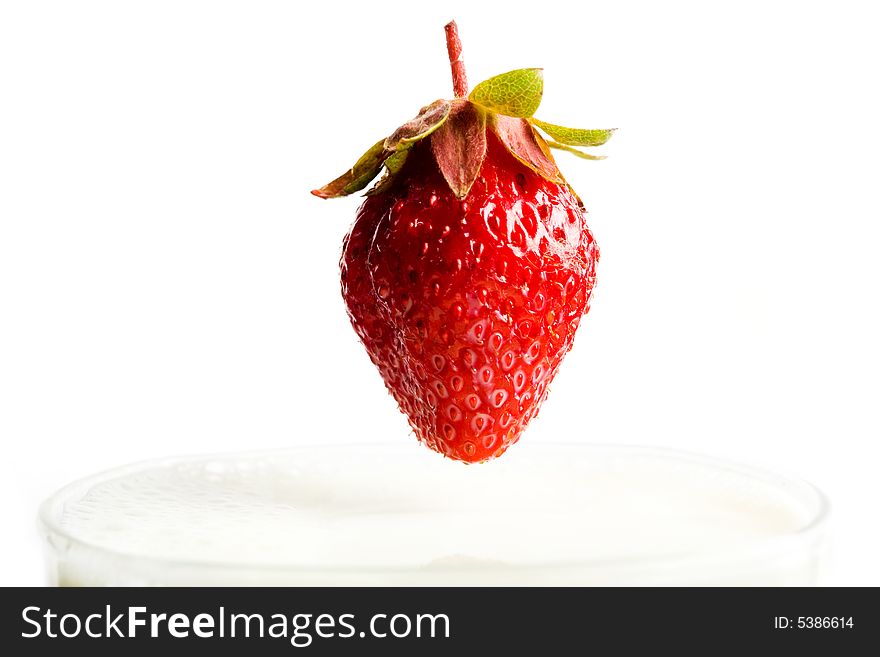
(575, 136)
(517, 93)
(459, 147)
(564, 147)
(527, 146)
(427, 121)
(359, 176)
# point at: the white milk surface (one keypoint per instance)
(403, 515)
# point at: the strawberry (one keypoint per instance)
(470, 263)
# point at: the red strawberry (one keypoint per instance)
(470, 264)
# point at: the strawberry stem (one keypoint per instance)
(453, 45)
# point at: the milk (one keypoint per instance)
(401, 515)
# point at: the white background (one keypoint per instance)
(168, 285)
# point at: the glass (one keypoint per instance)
(563, 514)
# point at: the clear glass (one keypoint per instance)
(386, 515)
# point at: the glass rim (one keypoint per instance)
(777, 545)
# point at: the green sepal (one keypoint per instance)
(392, 166)
(359, 176)
(574, 136)
(574, 151)
(428, 120)
(526, 145)
(459, 147)
(395, 162)
(385, 151)
(516, 93)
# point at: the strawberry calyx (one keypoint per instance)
(456, 130)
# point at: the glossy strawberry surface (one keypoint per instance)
(467, 307)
